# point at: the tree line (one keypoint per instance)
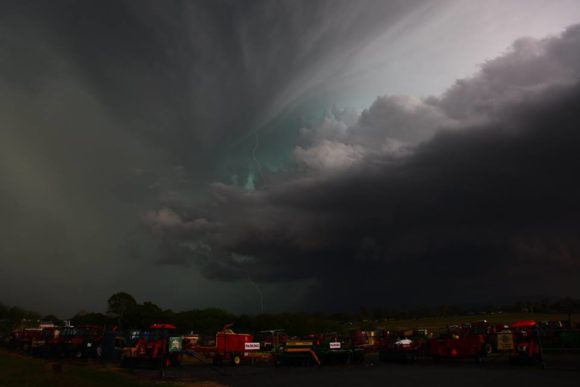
(125, 312)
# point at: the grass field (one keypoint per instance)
(441, 322)
(22, 371)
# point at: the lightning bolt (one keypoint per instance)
(255, 285)
(258, 165)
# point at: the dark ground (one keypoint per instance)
(560, 370)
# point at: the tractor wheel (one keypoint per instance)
(237, 360)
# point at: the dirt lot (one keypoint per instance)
(561, 370)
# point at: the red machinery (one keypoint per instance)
(402, 347)
(365, 340)
(459, 343)
(150, 348)
(527, 345)
(266, 345)
(229, 347)
(26, 339)
(84, 341)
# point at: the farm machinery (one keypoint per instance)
(403, 346)
(153, 347)
(27, 339)
(457, 342)
(526, 342)
(267, 345)
(84, 341)
(319, 349)
(228, 347)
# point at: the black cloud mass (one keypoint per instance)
(188, 153)
(485, 206)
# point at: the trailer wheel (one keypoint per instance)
(237, 360)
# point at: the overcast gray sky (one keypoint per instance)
(205, 153)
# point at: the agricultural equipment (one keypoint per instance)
(298, 352)
(267, 345)
(84, 341)
(527, 343)
(27, 339)
(366, 340)
(570, 339)
(152, 348)
(405, 346)
(229, 347)
(319, 349)
(459, 343)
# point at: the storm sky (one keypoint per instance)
(300, 155)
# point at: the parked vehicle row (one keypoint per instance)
(162, 346)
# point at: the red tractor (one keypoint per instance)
(527, 344)
(459, 343)
(151, 348)
(83, 341)
(26, 339)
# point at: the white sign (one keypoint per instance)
(335, 345)
(251, 346)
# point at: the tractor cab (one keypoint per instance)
(527, 345)
(271, 340)
(150, 347)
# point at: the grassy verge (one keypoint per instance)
(22, 371)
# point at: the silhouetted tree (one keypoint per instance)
(121, 304)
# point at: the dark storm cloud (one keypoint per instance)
(109, 107)
(190, 77)
(484, 207)
(114, 112)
